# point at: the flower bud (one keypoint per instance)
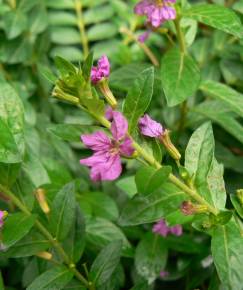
(41, 198)
(44, 255)
(105, 90)
(189, 208)
(165, 139)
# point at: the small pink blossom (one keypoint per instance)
(149, 127)
(102, 70)
(157, 13)
(3, 214)
(164, 274)
(143, 37)
(105, 163)
(163, 230)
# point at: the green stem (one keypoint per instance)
(152, 161)
(47, 234)
(144, 47)
(81, 27)
(180, 35)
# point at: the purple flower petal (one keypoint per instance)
(164, 274)
(104, 66)
(119, 126)
(96, 141)
(161, 228)
(176, 230)
(108, 170)
(168, 13)
(126, 148)
(95, 159)
(109, 113)
(101, 71)
(2, 214)
(149, 127)
(144, 7)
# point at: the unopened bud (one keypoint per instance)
(44, 255)
(239, 194)
(188, 208)
(59, 94)
(104, 88)
(165, 139)
(41, 198)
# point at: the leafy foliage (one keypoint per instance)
(63, 231)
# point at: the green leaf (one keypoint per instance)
(64, 67)
(101, 204)
(87, 65)
(63, 211)
(227, 251)
(127, 185)
(14, 23)
(186, 244)
(47, 73)
(148, 179)
(138, 98)
(70, 53)
(11, 125)
(217, 16)
(229, 97)
(151, 256)
(55, 278)
(72, 132)
(65, 35)
(123, 78)
(9, 173)
(98, 14)
(237, 205)
(16, 227)
(100, 232)
(75, 243)
(105, 263)
(221, 115)
(30, 245)
(35, 170)
(146, 209)
(101, 31)
(180, 76)
(201, 164)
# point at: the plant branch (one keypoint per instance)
(176, 181)
(180, 36)
(48, 235)
(144, 47)
(81, 27)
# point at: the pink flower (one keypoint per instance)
(157, 13)
(176, 230)
(3, 214)
(109, 113)
(149, 127)
(105, 163)
(102, 70)
(164, 274)
(163, 230)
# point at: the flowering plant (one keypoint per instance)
(117, 180)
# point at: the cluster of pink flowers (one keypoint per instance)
(157, 12)
(105, 163)
(162, 229)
